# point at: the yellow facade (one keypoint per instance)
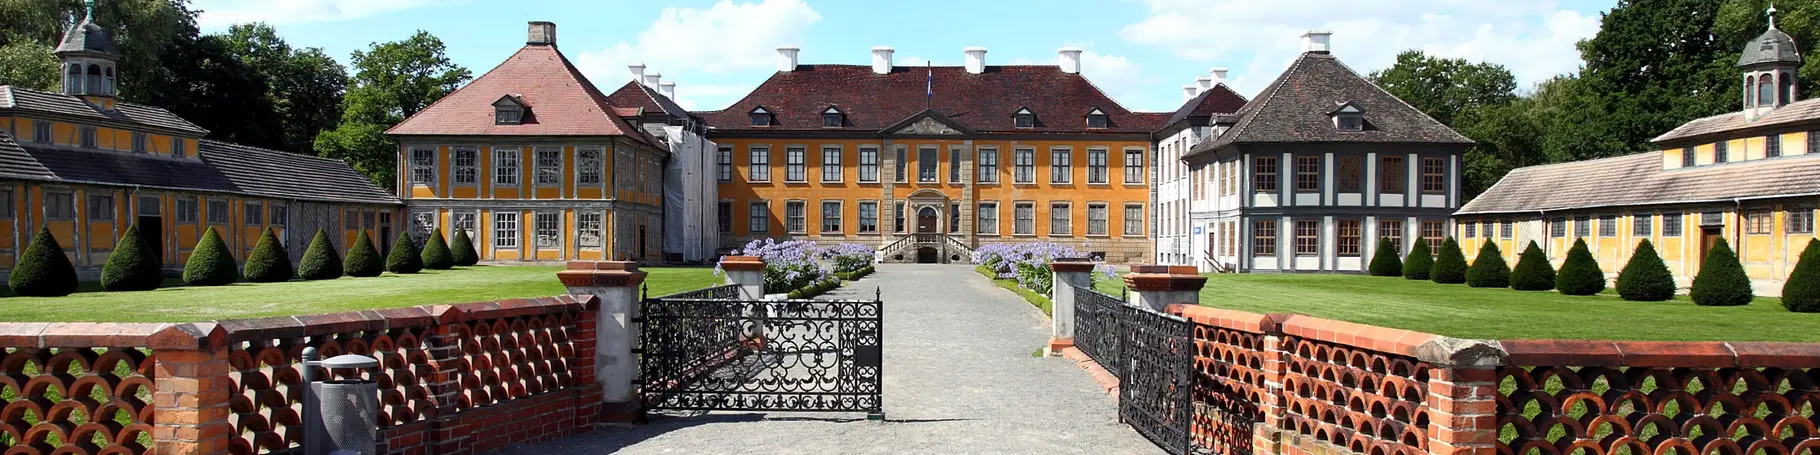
(1740, 149)
(1768, 250)
(24, 129)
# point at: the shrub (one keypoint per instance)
(1450, 267)
(462, 250)
(1580, 274)
(1489, 269)
(436, 253)
(1645, 277)
(211, 264)
(404, 258)
(320, 261)
(269, 262)
(1420, 262)
(1533, 272)
(1802, 291)
(1385, 262)
(43, 270)
(362, 259)
(1029, 262)
(1721, 281)
(132, 266)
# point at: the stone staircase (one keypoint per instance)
(926, 248)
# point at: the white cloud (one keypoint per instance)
(1535, 39)
(685, 43)
(1118, 76)
(222, 13)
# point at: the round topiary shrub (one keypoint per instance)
(404, 259)
(436, 253)
(1420, 263)
(1384, 262)
(132, 266)
(1646, 278)
(1489, 269)
(1533, 272)
(269, 263)
(1801, 293)
(462, 250)
(363, 259)
(211, 264)
(1450, 267)
(320, 261)
(1580, 274)
(1721, 281)
(43, 270)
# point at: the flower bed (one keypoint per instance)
(1028, 263)
(803, 269)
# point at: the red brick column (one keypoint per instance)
(1462, 395)
(1268, 435)
(447, 434)
(190, 392)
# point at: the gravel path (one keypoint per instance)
(960, 377)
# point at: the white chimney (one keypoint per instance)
(542, 33)
(1203, 83)
(1188, 92)
(668, 90)
(1219, 75)
(881, 60)
(652, 78)
(786, 58)
(1070, 60)
(638, 72)
(1317, 41)
(976, 59)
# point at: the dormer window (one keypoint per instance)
(509, 110)
(1096, 118)
(1025, 119)
(832, 118)
(762, 117)
(1348, 117)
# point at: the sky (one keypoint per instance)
(1140, 52)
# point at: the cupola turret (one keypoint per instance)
(1771, 64)
(89, 57)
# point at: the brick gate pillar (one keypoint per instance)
(748, 272)
(1069, 274)
(191, 389)
(615, 284)
(1158, 286)
(1463, 395)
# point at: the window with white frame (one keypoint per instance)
(1097, 165)
(465, 169)
(831, 170)
(1023, 118)
(758, 217)
(897, 221)
(954, 165)
(1061, 165)
(255, 214)
(548, 230)
(505, 166)
(218, 211)
(1642, 224)
(988, 218)
(1061, 218)
(422, 224)
(1023, 219)
(988, 166)
(463, 222)
(868, 164)
(1801, 220)
(796, 217)
(505, 230)
(926, 161)
(1134, 166)
(831, 217)
(1671, 225)
(1098, 219)
(1134, 220)
(723, 163)
(868, 217)
(423, 165)
(1096, 119)
(590, 166)
(1024, 164)
(187, 209)
(796, 163)
(100, 207)
(759, 170)
(549, 165)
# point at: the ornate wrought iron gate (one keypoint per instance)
(1157, 378)
(713, 350)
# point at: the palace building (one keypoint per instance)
(1310, 174)
(1177, 188)
(1750, 178)
(87, 166)
(931, 162)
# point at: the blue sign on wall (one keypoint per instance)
(1197, 230)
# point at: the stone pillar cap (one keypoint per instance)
(741, 263)
(1164, 278)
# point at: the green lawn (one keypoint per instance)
(249, 300)
(1461, 311)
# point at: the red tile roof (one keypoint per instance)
(562, 102)
(984, 102)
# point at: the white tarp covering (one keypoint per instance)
(691, 195)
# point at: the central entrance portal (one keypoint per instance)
(926, 220)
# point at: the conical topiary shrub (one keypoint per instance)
(1802, 291)
(462, 250)
(1721, 281)
(43, 270)
(1533, 272)
(1385, 262)
(1580, 274)
(1645, 277)
(132, 266)
(436, 253)
(404, 258)
(269, 263)
(211, 264)
(320, 261)
(1450, 267)
(363, 258)
(1420, 262)
(1489, 269)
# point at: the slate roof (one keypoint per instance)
(1772, 46)
(561, 102)
(1639, 179)
(1201, 109)
(223, 168)
(15, 162)
(22, 99)
(984, 102)
(86, 37)
(1804, 111)
(636, 95)
(1295, 107)
(273, 173)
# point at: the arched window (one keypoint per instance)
(94, 80)
(1749, 100)
(108, 88)
(1766, 91)
(1788, 89)
(72, 82)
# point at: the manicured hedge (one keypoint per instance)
(1802, 291)
(1580, 274)
(132, 266)
(854, 275)
(1489, 269)
(320, 261)
(363, 258)
(462, 250)
(1533, 272)
(436, 253)
(1450, 267)
(269, 262)
(1721, 281)
(43, 270)
(1645, 277)
(404, 258)
(211, 263)
(814, 289)
(1385, 262)
(1420, 262)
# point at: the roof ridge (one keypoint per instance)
(1577, 162)
(1264, 99)
(267, 150)
(451, 94)
(1399, 99)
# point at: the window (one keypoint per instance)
(988, 161)
(903, 160)
(1506, 228)
(926, 161)
(1096, 119)
(508, 115)
(1687, 157)
(590, 166)
(796, 164)
(1061, 165)
(1472, 230)
(868, 217)
(1766, 91)
(954, 218)
(1096, 165)
(255, 212)
(1264, 238)
(423, 166)
(831, 118)
(139, 142)
(724, 210)
(278, 216)
(547, 228)
(1772, 146)
(1060, 219)
(505, 230)
(587, 229)
(1582, 226)
(954, 165)
(868, 164)
(796, 217)
(1391, 178)
(760, 168)
(505, 168)
(1025, 119)
(831, 217)
(1720, 152)
(1434, 232)
(1642, 224)
(1307, 238)
(6, 203)
(758, 217)
(1024, 161)
(1134, 166)
(1671, 225)
(1023, 219)
(1352, 174)
(1800, 220)
(1757, 222)
(1134, 220)
(41, 132)
(1608, 226)
(467, 161)
(218, 211)
(1264, 174)
(831, 171)
(1350, 122)
(549, 165)
(1307, 174)
(1392, 230)
(1813, 142)
(898, 220)
(988, 218)
(723, 164)
(100, 207)
(1434, 175)
(89, 137)
(761, 117)
(1557, 228)
(1098, 220)
(187, 208)
(1350, 234)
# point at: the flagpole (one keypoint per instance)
(929, 92)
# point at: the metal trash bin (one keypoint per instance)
(340, 416)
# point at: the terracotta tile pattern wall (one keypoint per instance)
(86, 388)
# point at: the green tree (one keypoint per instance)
(1739, 21)
(145, 31)
(391, 82)
(1533, 272)
(404, 258)
(320, 261)
(43, 270)
(1580, 274)
(1645, 277)
(1446, 88)
(463, 249)
(1420, 261)
(29, 64)
(1384, 262)
(132, 266)
(1657, 64)
(305, 85)
(211, 263)
(1450, 266)
(363, 259)
(1721, 281)
(1801, 293)
(269, 263)
(436, 254)
(1489, 269)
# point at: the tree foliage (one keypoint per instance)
(1420, 262)
(211, 262)
(43, 269)
(1489, 269)
(320, 261)
(1721, 281)
(363, 259)
(304, 86)
(1801, 293)
(1580, 273)
(1645, 277)
(404, 258)
(132, 266)
(463, 249)
(436, 254)
(1533, 272)
(1384, 262)
(269, 262)
(1450, 265)
(392, 81)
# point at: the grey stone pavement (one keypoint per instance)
(960, 377)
